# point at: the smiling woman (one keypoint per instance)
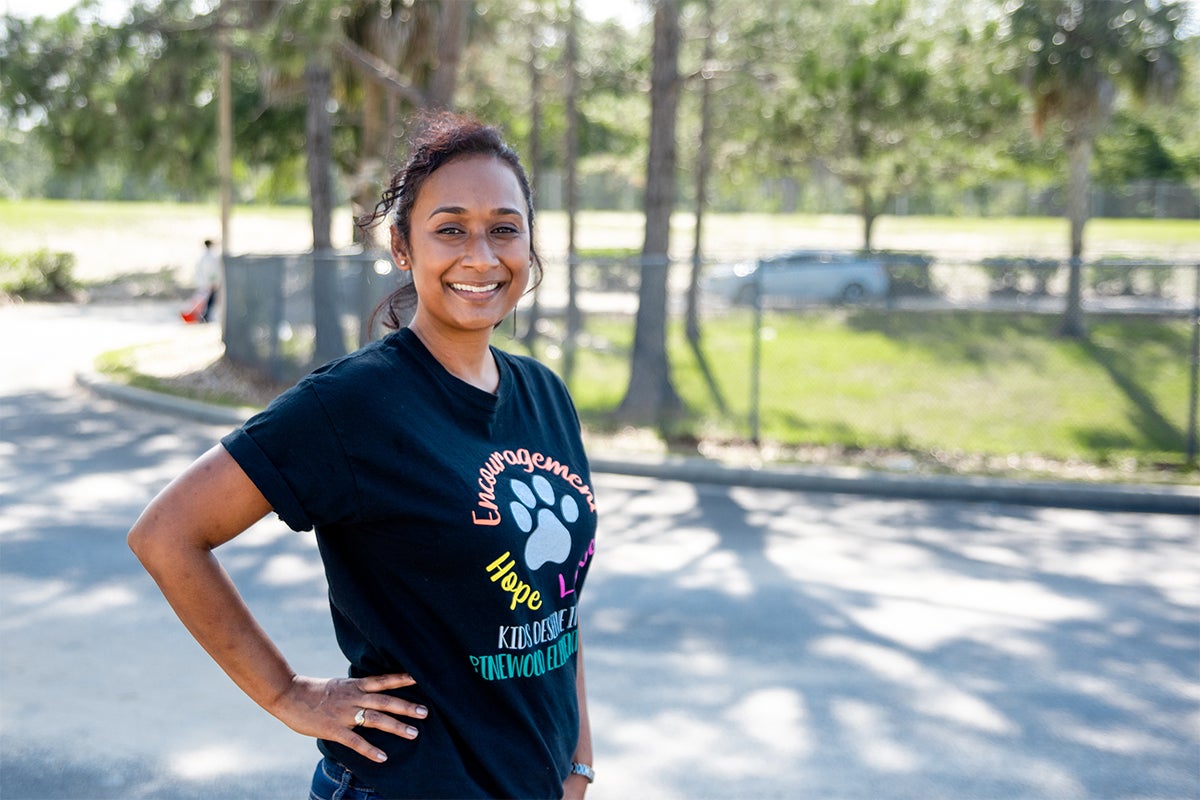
(382, 452)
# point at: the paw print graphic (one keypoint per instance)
(549, 540)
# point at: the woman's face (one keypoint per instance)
(469, 246)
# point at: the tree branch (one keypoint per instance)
(379, 71)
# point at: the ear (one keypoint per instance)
(399, 249)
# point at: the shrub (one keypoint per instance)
(1007, 275)
(1119, 276)
(40, 275)
(909, 274)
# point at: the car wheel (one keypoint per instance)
(853, 293)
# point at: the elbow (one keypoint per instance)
(146, 540)
(139, 541)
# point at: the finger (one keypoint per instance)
(378, 720)
(381, 683)
(395, 706)
(361, 746)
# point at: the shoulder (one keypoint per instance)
(372, 361)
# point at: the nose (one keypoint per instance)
(479, 252)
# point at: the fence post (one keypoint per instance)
(1194, 387)
(756, 359)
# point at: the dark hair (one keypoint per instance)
(436, 139)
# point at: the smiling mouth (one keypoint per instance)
(473, 288)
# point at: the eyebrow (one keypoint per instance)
(502, 211)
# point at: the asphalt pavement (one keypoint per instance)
(744, 640)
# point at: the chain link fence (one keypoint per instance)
(768, 324)
(287, 314)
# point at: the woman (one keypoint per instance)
(451, 499)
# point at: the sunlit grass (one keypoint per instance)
(960, 382)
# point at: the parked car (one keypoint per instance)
(802, 276)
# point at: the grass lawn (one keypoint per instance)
(943, 383)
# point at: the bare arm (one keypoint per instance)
(212, 502)
(576, 785)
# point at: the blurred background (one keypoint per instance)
(924, 236)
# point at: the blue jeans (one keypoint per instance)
(332, 781)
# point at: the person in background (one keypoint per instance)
(449, 490)
(207, 280)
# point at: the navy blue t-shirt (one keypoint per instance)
(456, 528)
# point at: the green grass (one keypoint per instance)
(990, 384)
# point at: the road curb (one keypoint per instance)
(1097, 497)
(157, 401)
(1139, 498)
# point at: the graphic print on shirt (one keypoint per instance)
(549, 539)
(539, 499)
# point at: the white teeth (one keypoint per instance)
(468, 287)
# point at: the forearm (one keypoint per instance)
(209, 504)
(576, 785)
(210, 607)
(583, 750)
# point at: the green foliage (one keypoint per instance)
(1009, 275)
(912, 96)
(1119, 276)
(40, 275)
(885, 100)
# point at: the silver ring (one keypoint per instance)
(360, 718)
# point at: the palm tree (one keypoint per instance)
(1077, 54)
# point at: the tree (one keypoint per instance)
(651, 396)
(703, 165)
(1076, 56)
(873, 98)
(571, 190)
(138, 97)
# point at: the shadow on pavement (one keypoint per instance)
(900, 650)
(740, 642)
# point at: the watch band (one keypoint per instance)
(585, 770)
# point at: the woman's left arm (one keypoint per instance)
(576, 785)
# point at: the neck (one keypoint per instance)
(467, 356)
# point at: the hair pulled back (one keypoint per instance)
(436, 139)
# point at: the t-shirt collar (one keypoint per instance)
(476, 397)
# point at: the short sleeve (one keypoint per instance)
(293, 454)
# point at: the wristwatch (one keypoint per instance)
(584, 770)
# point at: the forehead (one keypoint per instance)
(474, 181)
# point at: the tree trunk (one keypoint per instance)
(869, 214)
(366, 183)
(1079, 159)
(381, 42)
(651, 396)
(703, 158)
(529, 338)
(330, 342)
(574, 318)
(703, 163)
(452, 40)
